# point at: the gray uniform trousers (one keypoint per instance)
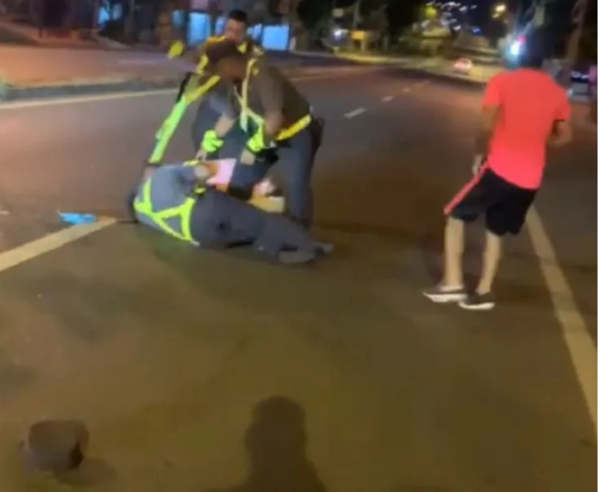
(220, 220)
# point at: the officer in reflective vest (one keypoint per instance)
(236, 31)
(275, 117)
(175, 200)
(203, 86)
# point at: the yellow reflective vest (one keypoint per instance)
(174, 221)
(247, 115)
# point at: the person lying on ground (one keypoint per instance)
(178, 200)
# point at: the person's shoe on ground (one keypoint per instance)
(478, 302)
(296, 257)
(324, 248)
(443, 294)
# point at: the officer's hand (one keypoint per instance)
(176, 50)
(211, 142)
(201, 155)
(247, 157)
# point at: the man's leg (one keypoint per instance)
(483, 299)
(297, 164)
(491, 260)
(454, 239)
(506, 216)
(467, 206)
(220, 220)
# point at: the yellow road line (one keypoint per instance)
(51, 242)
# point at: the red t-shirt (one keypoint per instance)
(529, 103)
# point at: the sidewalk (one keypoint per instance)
(34, 72)
(18, 33)
(27, 72)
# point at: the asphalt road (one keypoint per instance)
(199, 371)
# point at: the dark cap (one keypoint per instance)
(238, 16)
(535, 49)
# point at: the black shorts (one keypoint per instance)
(504, 204)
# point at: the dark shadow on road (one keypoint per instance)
(276, 444)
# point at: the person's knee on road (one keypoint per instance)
(298, 160)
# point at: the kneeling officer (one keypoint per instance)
(277, 121)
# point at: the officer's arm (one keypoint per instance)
(193, 54)
(224, 124)
(270, 91)
(492, 102)
(190, 54)
(227, 119)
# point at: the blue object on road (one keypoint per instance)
(77, 219)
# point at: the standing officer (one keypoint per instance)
(236, 31)
(276, 120)
(204, 86)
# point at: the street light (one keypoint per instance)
(499, 11)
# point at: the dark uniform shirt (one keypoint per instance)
(269, 91)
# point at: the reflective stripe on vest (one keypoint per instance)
(242, 48)
(183, 212)
(246, 113)
(213, 80)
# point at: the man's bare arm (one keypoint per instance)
(562, 134)
(488, 123)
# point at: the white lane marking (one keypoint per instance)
(56, 240)
(6, 106)
(387, 99)
(577, 338)
(354, 113)
(82, 99)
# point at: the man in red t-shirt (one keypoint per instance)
(523, 111)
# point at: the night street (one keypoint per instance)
(166, 351)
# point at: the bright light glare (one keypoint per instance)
(500, 8)
(515, 48)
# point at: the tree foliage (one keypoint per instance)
(401, 14)
(314, 14)
(381, 15)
